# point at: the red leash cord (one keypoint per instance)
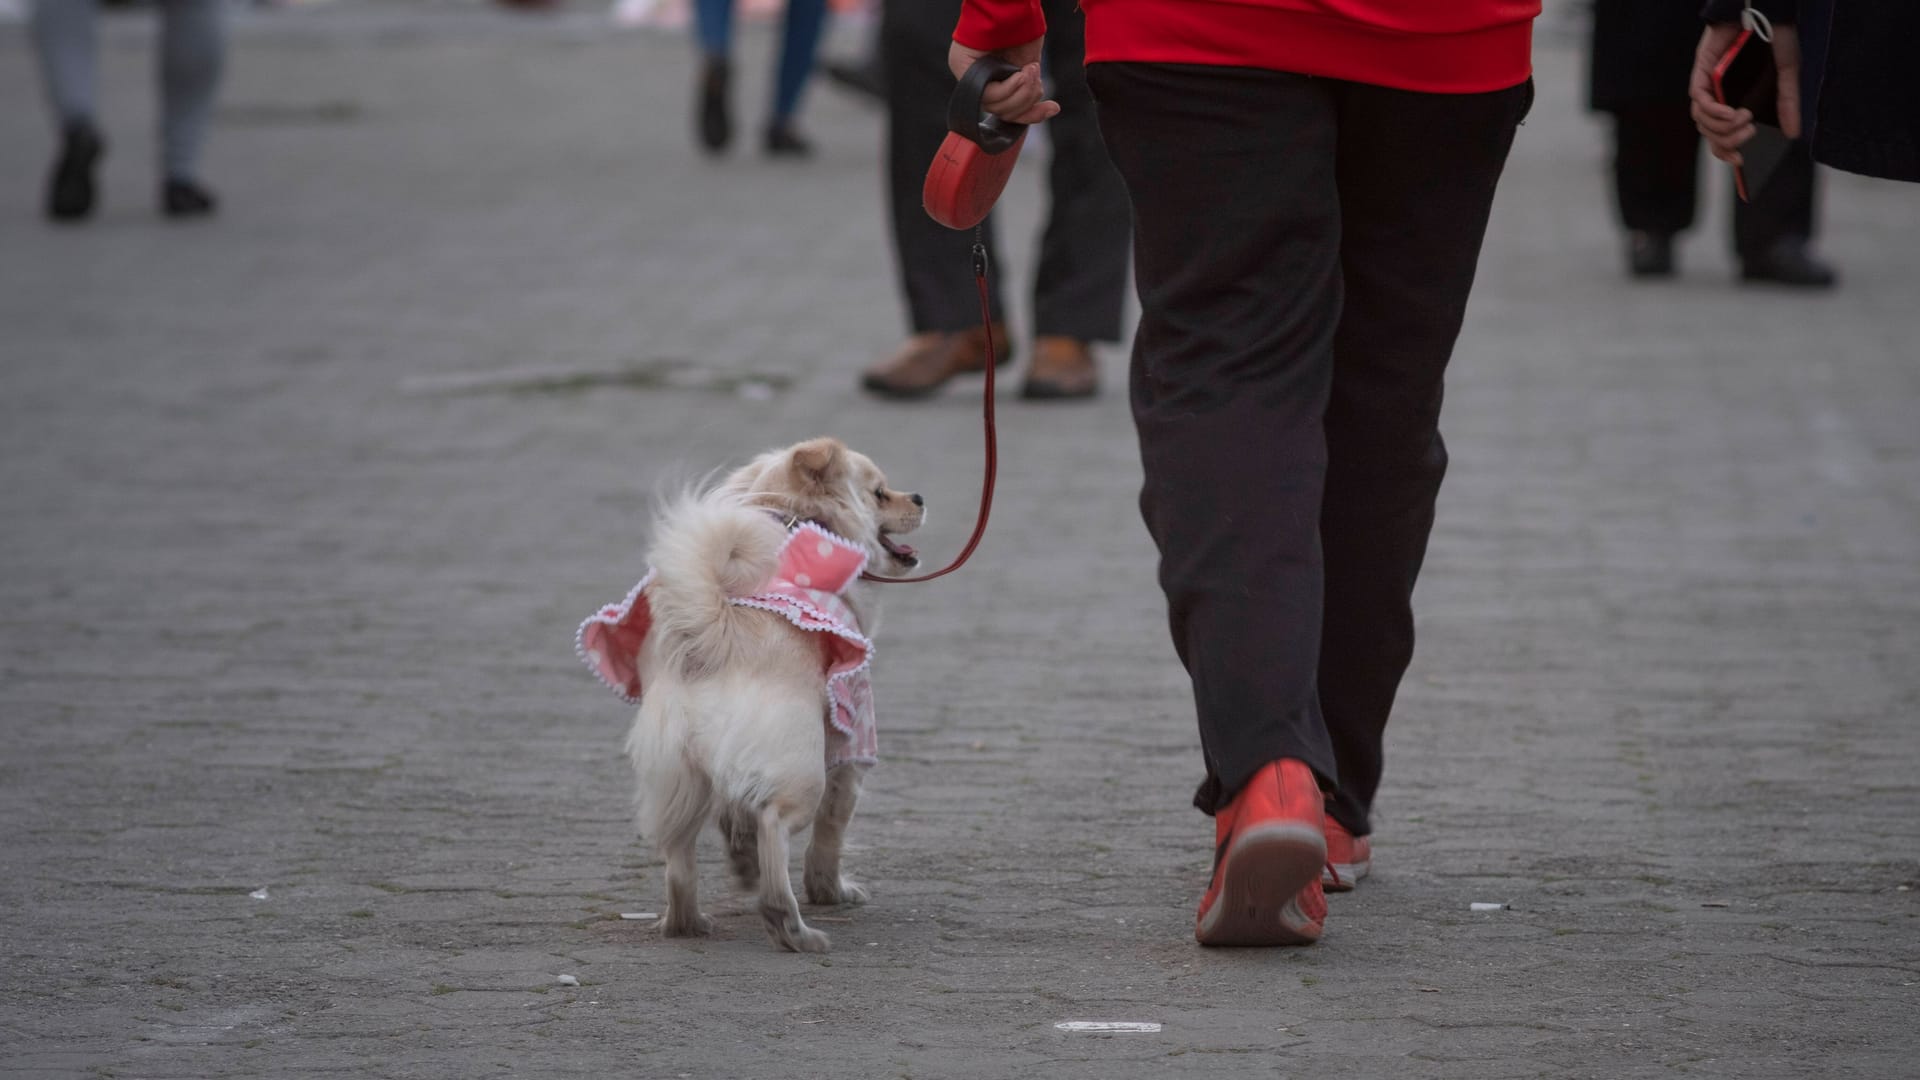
(964, 181)
(993, 451)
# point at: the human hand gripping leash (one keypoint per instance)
(965, 179)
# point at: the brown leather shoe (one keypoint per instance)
(1063, 368)
(927, 361)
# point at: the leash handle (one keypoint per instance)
(978, 153)
(967, 119)
(986, 409)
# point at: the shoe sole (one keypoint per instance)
(1263, 873)
(880, 387)
(1788, 283)
(1043, 391)
(1349, 875)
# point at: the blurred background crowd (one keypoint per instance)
(891, 53)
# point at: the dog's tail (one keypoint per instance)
(709, 549)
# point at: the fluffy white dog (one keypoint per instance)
(745, 650)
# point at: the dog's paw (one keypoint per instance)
(806, 939)
(698, 924)
(835, 891)
(789, 931)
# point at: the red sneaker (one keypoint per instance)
(1349, 857)
(1266, 871)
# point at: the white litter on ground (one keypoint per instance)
(566, 980)
(259, 893)
(1478, 906)
(1102, 1027)
(632, 916)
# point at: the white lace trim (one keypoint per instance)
(791, 610)
(580, 636)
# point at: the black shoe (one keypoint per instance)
(714, 118)
(783, 141)
(1788, 262)
(1649, 254)
(183, 198)
(862, 78)
(70, 190)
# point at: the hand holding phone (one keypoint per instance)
(1746, 78)
(1727, 125)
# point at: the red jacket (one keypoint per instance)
(1437, 46)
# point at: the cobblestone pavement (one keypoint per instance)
(300, 776)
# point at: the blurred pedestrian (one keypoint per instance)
(192, 53)
(860, 75)
(1310, 186)
(799, 46)
(1081, 279)
(1848, 82)
(1641, 57)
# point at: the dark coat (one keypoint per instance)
(1642, 53)
(1859, 79)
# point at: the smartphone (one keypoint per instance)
(1746, 79)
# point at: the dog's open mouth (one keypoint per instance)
(902, 553)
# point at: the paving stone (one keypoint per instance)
(283, 606)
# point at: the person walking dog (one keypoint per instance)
(1310, 180)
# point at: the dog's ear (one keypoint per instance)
(819, 464)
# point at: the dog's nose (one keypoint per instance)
(917, 500)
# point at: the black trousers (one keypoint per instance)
(1656, 180)
(1081, 277)
(1304, 248)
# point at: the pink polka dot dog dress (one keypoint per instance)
(814, 571)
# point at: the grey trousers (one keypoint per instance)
(192, 50)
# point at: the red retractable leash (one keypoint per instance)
(966, 178)
(978, 155)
